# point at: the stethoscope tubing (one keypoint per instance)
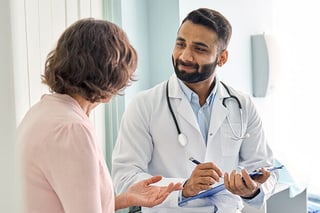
(183, 139)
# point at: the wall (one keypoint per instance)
(9, 184)
(163, 26)
(297, 105)
(151, 26)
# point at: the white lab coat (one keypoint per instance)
(148, 145)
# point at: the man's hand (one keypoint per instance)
(242, 184)
(203, 176)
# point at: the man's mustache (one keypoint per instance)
(189, 64)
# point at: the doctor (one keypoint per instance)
(193, 114)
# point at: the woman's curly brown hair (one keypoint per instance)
(93, 59)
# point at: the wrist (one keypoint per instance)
(252, 196)
(184, 190)
(184, 194)
(122, 201)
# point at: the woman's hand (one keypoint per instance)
(145, 194)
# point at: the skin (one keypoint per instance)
(142, 193)
(196, 44)
(242, 184)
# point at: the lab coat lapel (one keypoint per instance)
(219, 112)
(184, 109)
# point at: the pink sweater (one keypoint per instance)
(64, 168)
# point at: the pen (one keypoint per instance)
(252, 174)
(194, 160)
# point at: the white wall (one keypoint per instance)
(9, 188)
(297, 102)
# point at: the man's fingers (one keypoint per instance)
(210, 166)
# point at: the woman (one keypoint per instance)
(63, 167)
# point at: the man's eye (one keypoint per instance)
(200, 49)
(179, 44)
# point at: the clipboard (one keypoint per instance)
(207, 193)
(221, 187)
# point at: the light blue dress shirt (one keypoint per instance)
(202, 113)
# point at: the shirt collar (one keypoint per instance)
(190, 94)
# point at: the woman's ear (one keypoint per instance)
(223, 58)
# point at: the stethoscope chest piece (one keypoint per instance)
(182, 139)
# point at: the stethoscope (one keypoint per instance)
(183, 139)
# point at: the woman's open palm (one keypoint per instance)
(147, 195)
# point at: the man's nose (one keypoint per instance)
(187, 55)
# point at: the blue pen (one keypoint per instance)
(194, 160)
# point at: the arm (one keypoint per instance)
(73, 169)
(254, 153)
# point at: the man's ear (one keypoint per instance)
(223, 58)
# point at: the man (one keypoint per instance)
(195, 115)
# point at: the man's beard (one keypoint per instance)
(198, 75)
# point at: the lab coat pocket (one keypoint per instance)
(230, 145)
